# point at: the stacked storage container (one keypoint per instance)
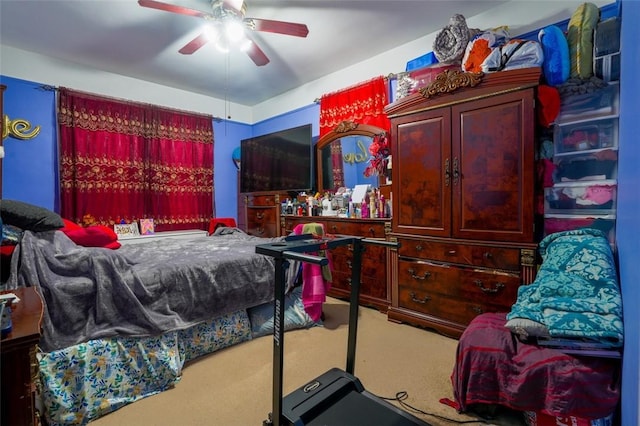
(586, 146)
(585, 159)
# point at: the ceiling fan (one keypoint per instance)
(229, 14)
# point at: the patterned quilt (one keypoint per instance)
(576, 291)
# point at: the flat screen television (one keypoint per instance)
(279, 161)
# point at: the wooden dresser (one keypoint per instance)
(261, 214)
(375, 288)
(463, 198)
(19, 364)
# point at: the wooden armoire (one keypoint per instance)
(463, 185)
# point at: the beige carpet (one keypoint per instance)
(232, 387)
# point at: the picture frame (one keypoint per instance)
(146, 227)
(126, 230)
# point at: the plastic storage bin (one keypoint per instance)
(600, 103)
(580, 197)
(595, 165)
(586, 135)
(560, 222)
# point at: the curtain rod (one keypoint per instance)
(46, 87)
(388, 77)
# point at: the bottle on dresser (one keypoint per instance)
(373, 203)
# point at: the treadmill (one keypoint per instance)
(337, 397)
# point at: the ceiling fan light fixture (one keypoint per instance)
(211, 32)
(245, 45)
(222, 45)
(234, 30)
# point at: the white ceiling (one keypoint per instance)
(121, 37)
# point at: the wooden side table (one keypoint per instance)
(19, 364)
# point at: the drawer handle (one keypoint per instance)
(484, 289)
(417, 277)
(260, 231)
(451, 252)
(260, 215)
(488, 255)
(422, 301)
(372, 231)
(349, 264)
(478, 310)
(419, 247)
(349, 282)
(334, 228)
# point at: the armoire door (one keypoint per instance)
(421, 173)
(493, 168)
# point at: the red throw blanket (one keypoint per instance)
(494, 367)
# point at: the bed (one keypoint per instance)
(558, 351)
(119, 325)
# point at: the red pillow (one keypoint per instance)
(93, 236)
(7, 250)
(68, 225)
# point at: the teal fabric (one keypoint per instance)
(576, 291)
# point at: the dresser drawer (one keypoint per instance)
(367, 230)
(260, 215)
(373, 261)
(444, 307)
(263, 200)
(261, 221)
(423, 279)
(370, 286)
(464, 254)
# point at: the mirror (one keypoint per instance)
(343, 155)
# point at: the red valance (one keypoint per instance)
(363, 104)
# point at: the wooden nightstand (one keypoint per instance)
(19, 364)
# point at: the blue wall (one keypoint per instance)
(29, 168)
(628, 229)
(227, 136)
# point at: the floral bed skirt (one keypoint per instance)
(83, 382)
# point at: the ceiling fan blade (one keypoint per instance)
(279, 27)
(194, 45)
(256, 54)
(235, 5)
(171, 8)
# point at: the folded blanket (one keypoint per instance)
(451, 42)
(576, 291)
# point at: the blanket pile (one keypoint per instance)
(576, 292)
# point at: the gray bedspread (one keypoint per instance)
(139, 289)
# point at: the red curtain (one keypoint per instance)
(363, 104)
(337, 166)
(127, 161)
(180, 161)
